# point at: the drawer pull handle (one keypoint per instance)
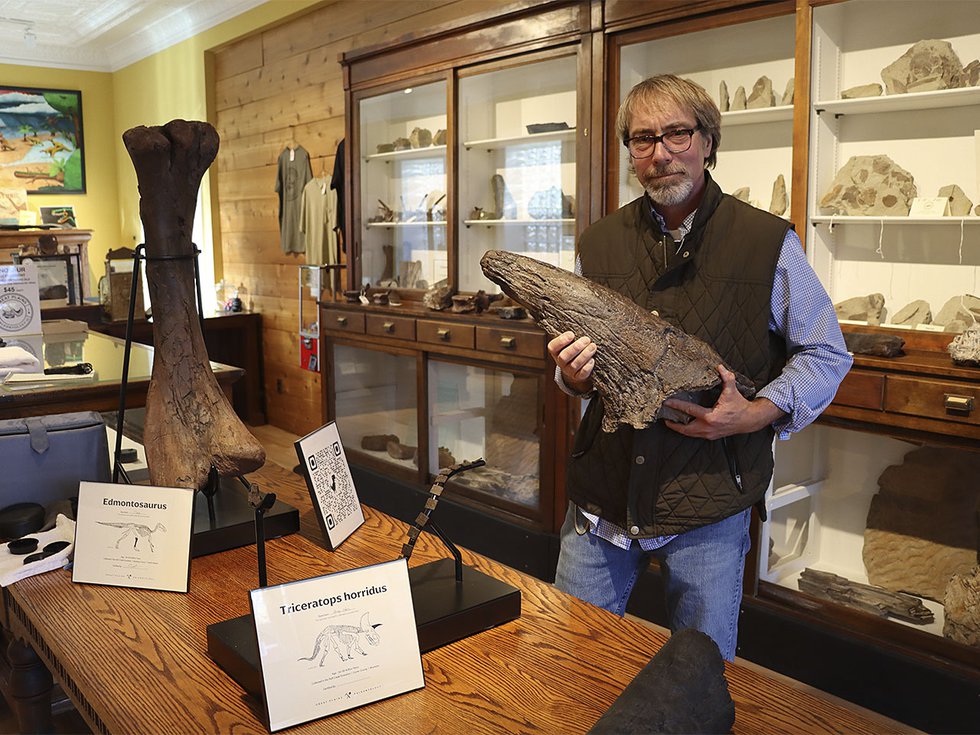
(959, 405)
(389, 327)
(508, 342)
(443, 334)
(342, 321)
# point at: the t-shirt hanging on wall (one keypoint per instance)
(317, 221)
(337, 184)
(293, 174)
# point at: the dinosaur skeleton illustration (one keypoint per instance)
(344, 639)
(137, 531)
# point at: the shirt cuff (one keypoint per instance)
(560, 382)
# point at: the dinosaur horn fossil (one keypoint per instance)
(641, 359)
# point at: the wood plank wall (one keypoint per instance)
(280, 85)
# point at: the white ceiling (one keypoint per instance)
(104, 35)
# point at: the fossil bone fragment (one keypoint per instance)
(738, 101)
(190, 425)
(642, 360)
(870, 185)
(762, 95)
(926, 66)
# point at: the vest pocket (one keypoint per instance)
(731, 456)
(587, 430)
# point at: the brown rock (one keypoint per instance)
(870, 186)
(438, 297)
(880, 345)
(862, 90)
(926, 66)
(762, 95)
(377, 442)
(961, 605)
(922, 526)
(420, 137)
(868, 308)
(397, 450)
(959, 204)
(440, 137)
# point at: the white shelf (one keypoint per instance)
(493, 143)
(431, 151)
(780, 113)
(499, 222)
(792, 493)
(828, 219)
(420, 223)
(939, 99)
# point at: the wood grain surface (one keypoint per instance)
(136, 661)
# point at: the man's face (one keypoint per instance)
(670, 179)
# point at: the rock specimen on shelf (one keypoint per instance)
(926, 66)
(503, 202)
(397, 450)
(190, 429)
(959, 204)
(446, 458)
(914, 313)
(548, 127)
(869, 598)
(788, 93)
(511, 312)
(439, 296)
(779, 202)
(971, 74)
(440, 137)
(873, 186)
(879, 345)
(682, 690)
(742, 194)
(377, 442)
(961, 606)
(385, 147)
(723, 100)
(762, 95)
(965, 348)
(463, 304)
(642, 359)
(862, 90)
(922, 523)
(868, 309)
(738, 101)
(401, 144)
(959, 313)
(420, 137)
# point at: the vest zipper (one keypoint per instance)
(732, 464)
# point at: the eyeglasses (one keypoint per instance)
(675, 141)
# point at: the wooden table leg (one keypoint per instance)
(30, 688)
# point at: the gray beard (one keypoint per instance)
(672, 195)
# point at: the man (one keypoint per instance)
(737, 278)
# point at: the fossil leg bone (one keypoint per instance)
(642, 360)
(189, 423)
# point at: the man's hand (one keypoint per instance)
(732, 414)
(576, 360)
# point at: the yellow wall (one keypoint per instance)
(159, 88)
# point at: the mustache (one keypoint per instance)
(652, 172)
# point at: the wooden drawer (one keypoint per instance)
(510, 342)
(446, 333)
(862, 390)
(343, 321)
(933, 399)
(399, 327)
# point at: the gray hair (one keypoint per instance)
(655, 92)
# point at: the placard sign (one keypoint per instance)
(133, 536)
(336, 642)
(321, 453)
(20, 305)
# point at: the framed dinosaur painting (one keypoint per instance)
(41, 144)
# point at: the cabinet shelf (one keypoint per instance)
(939, 99)
(431, 151)
(522, 222)
(389, 225)
(495, 143)
(829, 219)
(780, 113)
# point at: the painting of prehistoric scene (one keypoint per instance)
(41, 140)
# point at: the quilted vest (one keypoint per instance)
(718, 286)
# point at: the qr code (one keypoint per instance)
(332, 483)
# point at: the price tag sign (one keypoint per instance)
(20, 303)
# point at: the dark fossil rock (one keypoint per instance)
(642, 360)
(880, 345)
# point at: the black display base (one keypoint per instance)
(445, 611)
(234, 520)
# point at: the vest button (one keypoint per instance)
(634, 530)
(686, 253)
(655, 312)
(640, 459)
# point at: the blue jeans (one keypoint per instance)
(702, 573)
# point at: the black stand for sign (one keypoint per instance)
(451, 601)
(223, 517)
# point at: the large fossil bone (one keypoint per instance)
(190, 425)
(642, 360)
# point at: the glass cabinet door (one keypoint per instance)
(403, 188)
(376, 404)
(517, 165)
(756, 134)
(479, 412)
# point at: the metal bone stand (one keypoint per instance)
(451, 601)
(222, 520)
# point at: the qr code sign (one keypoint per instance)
(332, 483)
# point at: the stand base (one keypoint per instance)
(234, 520)
(445, 611)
